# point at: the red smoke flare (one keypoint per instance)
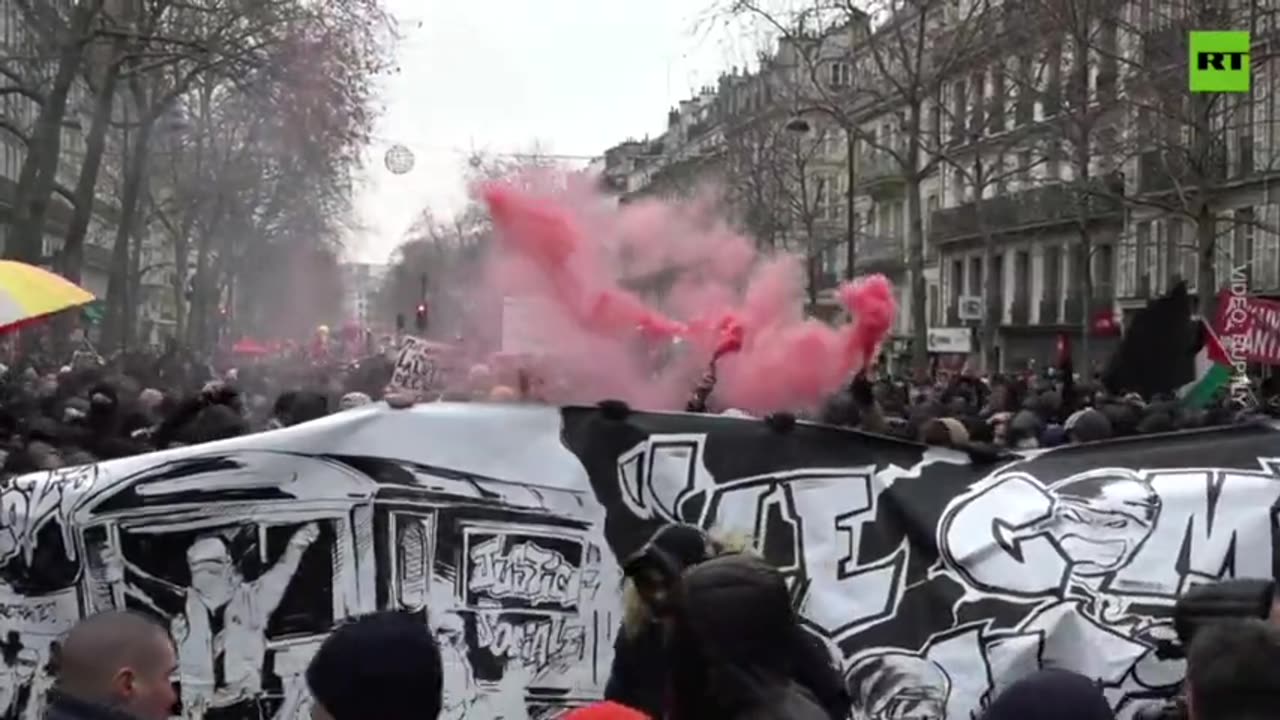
(689, 277)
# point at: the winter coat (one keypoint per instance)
(66, 707)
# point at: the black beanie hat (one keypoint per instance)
(686, 544)
(672, 548)
(385, 665)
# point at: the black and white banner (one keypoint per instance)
(935, 581)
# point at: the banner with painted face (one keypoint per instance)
(934, 580)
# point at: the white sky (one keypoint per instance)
(573, 76)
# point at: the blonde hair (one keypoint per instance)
(635, 611)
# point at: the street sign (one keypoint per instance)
(970, 307)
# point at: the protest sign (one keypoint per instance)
(1249, 327)
(937, 581)
(420, 367)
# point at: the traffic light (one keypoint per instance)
(420, 319)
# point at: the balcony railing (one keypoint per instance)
(877, 167)
(1165, 47)
(1038, 207)
(1160, 171)
(1049, 310)
(1020, 311)
(1073, 310)
(880, 253)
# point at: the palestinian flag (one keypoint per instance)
(1213, 369)
(93, 313)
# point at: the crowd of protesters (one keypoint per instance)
(713, 636)
(90, 408)
(709, 631)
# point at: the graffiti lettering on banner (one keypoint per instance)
(50, 615)
(537, 642)
(31, 501)
(523, 571)
(420, 367)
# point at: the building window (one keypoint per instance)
(1104, 272)
(958, 104)
(1053, 161)
(1025, 111)
(997, 283)
(1022, 277)
(996, 113)
(1053, 84)
(978, 108)
(841, 75)
(1242, 243)
(1052, 280)
(1148, 259)
(1107, 62)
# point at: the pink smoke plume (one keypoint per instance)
(636, 300)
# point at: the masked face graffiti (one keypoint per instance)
(1102, 518)
(213, 574)
(898, 686)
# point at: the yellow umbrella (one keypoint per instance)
(28, 293)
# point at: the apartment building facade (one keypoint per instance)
(1012, 225)
(1138, 206)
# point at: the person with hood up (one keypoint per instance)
(638, 678)
(731, 615)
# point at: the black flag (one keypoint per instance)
(1157, 354)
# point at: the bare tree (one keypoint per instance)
(985, 150)
(808, 199)
(753, 191)
(260, 171)
(1195, 154)
(900, 53)
(61, 35)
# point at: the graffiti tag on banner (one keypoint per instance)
(537, 642)
(31, 501)
(50, 615)
(420, 367)
(506, 568)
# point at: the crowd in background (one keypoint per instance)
(54, 414)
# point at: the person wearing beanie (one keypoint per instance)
(382, 666)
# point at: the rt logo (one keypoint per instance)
(1219, 62)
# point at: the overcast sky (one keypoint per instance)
(574, 76)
